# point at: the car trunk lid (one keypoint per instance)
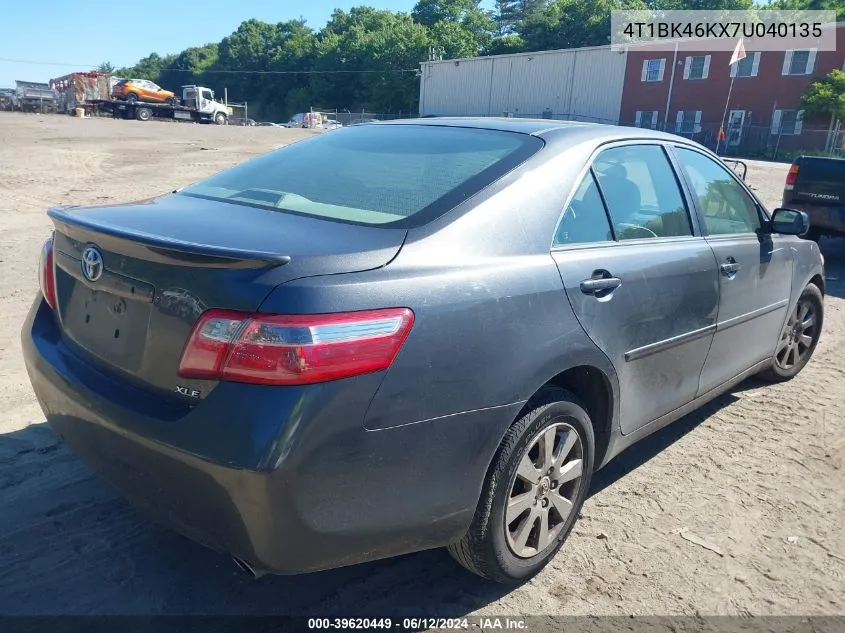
(131, 280)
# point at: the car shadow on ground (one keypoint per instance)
(70, 545)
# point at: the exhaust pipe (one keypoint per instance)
(247, 568)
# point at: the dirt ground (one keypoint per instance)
(758, 473)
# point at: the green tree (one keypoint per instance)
(700, 5)
(825, 97)
(571, 23)
(188, 67)
(106, 67)
(811, 5)
(505, 44)
(506, 15)
(388, 46)
(430, 12)
(149, 67)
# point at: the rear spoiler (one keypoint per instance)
(177, 249)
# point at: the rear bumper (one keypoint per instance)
(322, 492)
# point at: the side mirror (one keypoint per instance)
(790, 222)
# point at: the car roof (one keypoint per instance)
(545, 128)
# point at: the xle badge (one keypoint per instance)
(187, 391)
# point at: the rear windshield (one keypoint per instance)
(373, 174)
(823, 169)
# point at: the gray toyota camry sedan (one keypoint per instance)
(411, 335)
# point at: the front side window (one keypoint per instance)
(585, 218)
(641, 192)
(373, 174)
(726, 206)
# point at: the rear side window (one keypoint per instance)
(373, 174)
(584, 220)
(641, 192)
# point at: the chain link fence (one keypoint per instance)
(774, 142)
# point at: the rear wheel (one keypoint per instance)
(144, 114)
(798, 337)
(131, 97)
(535, 488)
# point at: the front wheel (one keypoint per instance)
(536, 485)
(798, 337)
(220, 118)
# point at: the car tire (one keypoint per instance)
(220, 119)
(144, 114)
(805, 320)
(132, 97)
(488, 549)
(172, 101)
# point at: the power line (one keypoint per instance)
(223, 71)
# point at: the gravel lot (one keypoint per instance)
(758, 473)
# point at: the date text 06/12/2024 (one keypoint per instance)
(418, 624)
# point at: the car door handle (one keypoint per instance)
(730, 268)
(601, 283)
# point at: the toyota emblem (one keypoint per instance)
(92, 264)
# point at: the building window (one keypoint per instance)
(697, 67)
(646, 118)
(747, 66)
(653, 69)
(799, 62)
(787, 122)
(688, 122)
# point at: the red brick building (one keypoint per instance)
(685, 93)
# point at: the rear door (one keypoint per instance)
(755, 269)
(641, 280)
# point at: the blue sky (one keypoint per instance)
(77, 34)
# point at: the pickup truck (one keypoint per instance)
(816, 185)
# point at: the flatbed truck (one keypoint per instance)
(197, 104)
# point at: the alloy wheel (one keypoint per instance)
(543, 491)
(797, 336)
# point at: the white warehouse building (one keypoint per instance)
(582, 84)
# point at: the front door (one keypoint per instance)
(736, 119)
(755, 270)
(642, 284)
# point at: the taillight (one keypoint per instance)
(791, 177)
(47, 274)
(293, 349)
